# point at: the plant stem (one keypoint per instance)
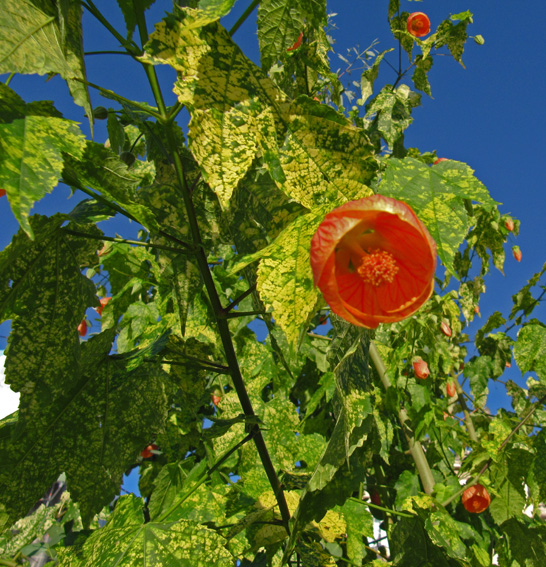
(244, 16)
(388, 510)
(416, 450)
(238, 300)
(126, 241)
(129, 46)
(467, 417)
(221, 323)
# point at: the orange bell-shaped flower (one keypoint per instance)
(374, 261)
(418, 24)
(476, 499)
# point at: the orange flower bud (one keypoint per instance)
(297, 43)
(509, 224)
(439, 160)
(148, 452)
(420, 367)
(446, 329)
(451, 389)
(103, 302)
(373, 261)
(82, 328)
(418, 24)
(476, 499)
(516, 252)
(2, 192)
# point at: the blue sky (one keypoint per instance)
(490, 115)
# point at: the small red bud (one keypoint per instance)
(509, 224)
(451, 389)
(148, 452)
(508, 365)
(446, 329)
(103, 302)
(82, 328)
(440, 159)
(420, 367)
(477, 309)
(2, 192)
(297, 43)
(516, 252)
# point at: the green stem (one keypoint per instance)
(416, 450)
(7, 563)
(112, 95)
(129, 46)
(243, 17)
(126, 241)
(8, 80)
(238, 300)
(221, 323)
(467, 417)
(383, 509)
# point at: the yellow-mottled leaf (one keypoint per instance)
(285, 279)
(31, 159)
(311, 151)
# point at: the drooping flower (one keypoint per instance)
(509, 224)
(418, 24)
(476, 499)
(374, 261)
(420, 367)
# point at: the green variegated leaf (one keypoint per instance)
(390, 112)
(130, 9)
(126, 541)
(454, 35)
(369, 76)
(437, 196)
(90, 422)
(285, 279)
(237, 112)
(100, 169)
(530, 350)
(280, 23)
(31, 159)
(39, 36)
(324, 158)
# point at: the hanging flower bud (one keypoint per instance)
(420, 367)
(516, 252)
(297, 43)
(103, 302)
(82, 328)
(439, 160)
(446, 329)
(509, 224)
(451, 389)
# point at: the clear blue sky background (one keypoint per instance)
(490, 115)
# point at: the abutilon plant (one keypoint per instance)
(273, 270)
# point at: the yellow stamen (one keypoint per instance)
(377, 268)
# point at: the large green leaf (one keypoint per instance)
(92, 429)
(530, 350)
(33, 138)
(280, 23)
(40, 36)
(237, 113)
(285, 280)
(127, 541)
(100, 169)
(437, 196)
